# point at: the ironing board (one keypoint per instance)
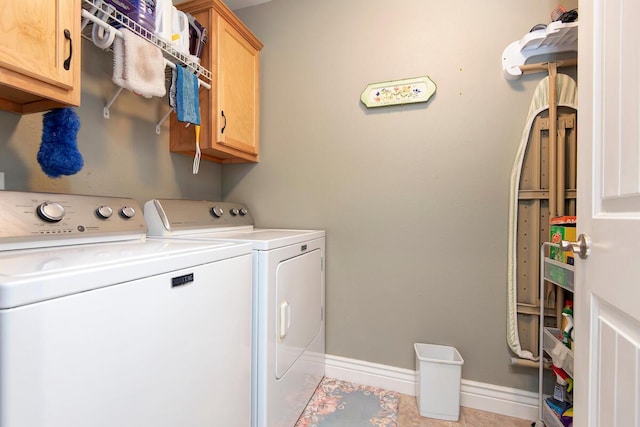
(567, 96)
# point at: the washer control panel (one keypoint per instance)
(41, 217)
(165, 216)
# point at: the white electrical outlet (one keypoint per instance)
(1, 180)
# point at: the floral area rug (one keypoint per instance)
(338, 403)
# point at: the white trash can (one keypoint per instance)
(439, 371)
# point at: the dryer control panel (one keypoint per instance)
(170, 216)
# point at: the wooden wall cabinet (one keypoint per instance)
(39, 54)
(230, 110)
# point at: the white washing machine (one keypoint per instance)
(288, 305)
(102, 327)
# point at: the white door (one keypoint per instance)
(607, 314)
(299, 299)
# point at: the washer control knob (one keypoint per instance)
(51, 211)
(243, 211)
(127, 212)
(104, 212)
(217, 211)
(234, 211)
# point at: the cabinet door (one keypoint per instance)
(39, 66)
(229, 111)
(238, 76)
(33, 39)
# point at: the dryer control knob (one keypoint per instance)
(104, 212)
(127, 212)
(217, 211)
(234, 211)
(51, 211)
(243, 211)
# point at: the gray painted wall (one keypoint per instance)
(123, 156)
(414, 198)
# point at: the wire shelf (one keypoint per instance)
(108, 15)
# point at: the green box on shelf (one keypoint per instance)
(562, 228)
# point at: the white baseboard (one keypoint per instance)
(371, 374)
(486, 397)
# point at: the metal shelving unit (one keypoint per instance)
(562, 275)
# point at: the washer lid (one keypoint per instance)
(32, 275)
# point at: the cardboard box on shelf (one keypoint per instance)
(562, 228)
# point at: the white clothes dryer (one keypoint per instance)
(288, 299)
(102, 327)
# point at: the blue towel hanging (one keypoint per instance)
(187, 103)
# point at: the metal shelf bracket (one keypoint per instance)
(110, 103)
(162, 120)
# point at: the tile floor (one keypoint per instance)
(408, 416)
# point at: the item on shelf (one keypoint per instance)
(559, 353)
(164, 20)
(196, 158)
(101, 36)
(172, 90)
(560, 390)
(567, 324)
(569, 16)
(562, 228)
(142, 12)
(197, 37)
(567, 418)
(557, 13)
(566, 219)
(138, 65)
(557, 407)
(563, 386)
(180, 29)
(58, 154)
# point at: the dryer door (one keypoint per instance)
(299, 307)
